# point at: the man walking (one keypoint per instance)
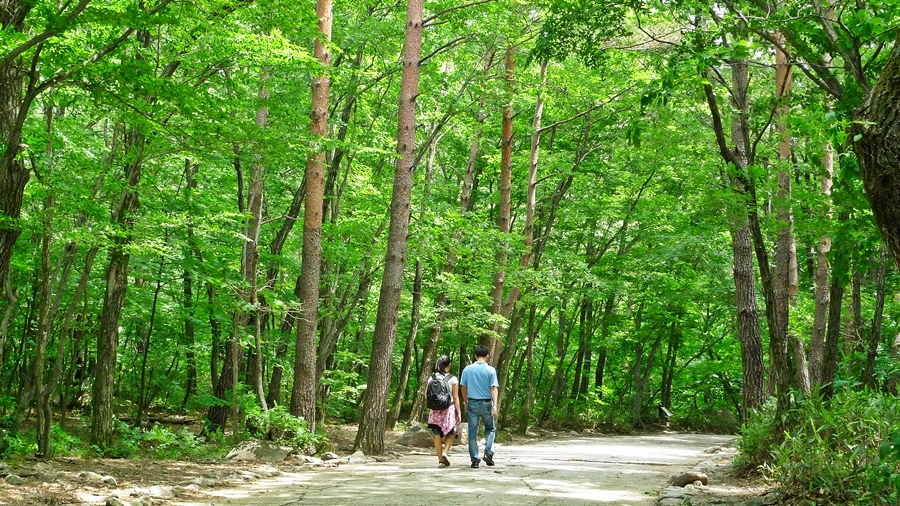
(480, 389)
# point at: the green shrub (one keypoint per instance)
(844, 451)
(278, 424)
(757, 438)
(128, 441)
(17, 444)
(163, 443)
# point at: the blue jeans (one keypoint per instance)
(480, 410)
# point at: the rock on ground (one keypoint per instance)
(256, 450)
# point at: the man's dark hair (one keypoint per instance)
(481, 351)
(442, 362)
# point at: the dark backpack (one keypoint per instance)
(438, 394)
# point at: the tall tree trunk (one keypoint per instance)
(491, 339)
(303, 394)
(13, 174)
(370, 437)
(583, 344)
(512, 297)
(44, 414)
(669, 364)
(403, 380)
(217, 415)
(525, 417)
(250, 252)
(116, 287)
(752, 366)
(215, 335)
(820, 316)
(786, 282)
(80, 291)
(868, 375)
(146, 335)
(190, 255)
(12, 298)
(833, 333)
(641, 375)
(878, 150)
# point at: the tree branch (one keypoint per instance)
(431, 18)
(41, 37)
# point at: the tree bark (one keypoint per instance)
(820, 316)
(13, 174)
(403, 380)
(370, 437)
(116, 287)
(303, 394)
(491, 339)
(190, 255)
(868, 374)
(877, 148)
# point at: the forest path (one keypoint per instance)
(603, 470)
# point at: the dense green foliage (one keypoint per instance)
(627, 296)
(838, 452)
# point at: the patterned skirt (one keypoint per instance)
(443, 420)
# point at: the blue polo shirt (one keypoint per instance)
(478, 378)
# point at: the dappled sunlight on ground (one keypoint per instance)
(578, 470)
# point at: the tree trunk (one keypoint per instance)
(215, 336)
(303, 394)
(13, 174)
(753, 369)
(491, 339)
(641, 375)
(44, 414)
(188, 287)
(250, 250)
(403, 381)
(525, 417)
(370, 437)
(833, 333)
(217, 415)
(868, 375)
(669, 365)
(786, 282)
(116, 287)
(820, 316)
(877, 148)
(147, 334)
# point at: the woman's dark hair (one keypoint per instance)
(441, 365)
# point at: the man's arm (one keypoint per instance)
(464, 391)
(495, 401)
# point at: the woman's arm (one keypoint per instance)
(455, 390)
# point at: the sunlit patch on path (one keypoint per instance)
(619, 470)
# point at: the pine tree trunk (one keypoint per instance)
(303, 394)
(370, 438)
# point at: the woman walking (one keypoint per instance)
(443, 422)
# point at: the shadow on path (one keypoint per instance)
(602, 470)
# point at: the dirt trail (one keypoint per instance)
(605, 470)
